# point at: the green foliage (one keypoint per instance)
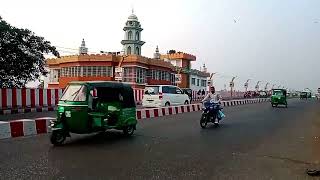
(21, 55)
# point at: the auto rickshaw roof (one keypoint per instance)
(279, 90)
(106, 84)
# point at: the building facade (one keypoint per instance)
(198, 80)
(190, 78)
(135, 69)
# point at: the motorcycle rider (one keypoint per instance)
(212, 95)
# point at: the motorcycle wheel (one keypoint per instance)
(203, 121)
(57, 137)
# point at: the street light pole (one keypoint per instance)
(257, 86)
(210, 82)
(266, 87)
(232, 85)
(246, 85)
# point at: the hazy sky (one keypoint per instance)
(275, 41)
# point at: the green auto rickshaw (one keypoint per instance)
(94, 106)
(279, 97)
(304, 95)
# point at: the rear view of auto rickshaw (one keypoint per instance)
(95, 106)
(279, 97)
(304, 95)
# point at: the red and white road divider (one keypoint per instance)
(26, 127)
(165, 111)
(25, 100)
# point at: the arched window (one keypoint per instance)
(129, 35)
(137, 51)
(129, 50)
(137, 36)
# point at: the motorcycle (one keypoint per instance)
(210, 112)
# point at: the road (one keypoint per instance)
(255, 141)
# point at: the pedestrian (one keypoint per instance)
(198, 94)
(203, 93)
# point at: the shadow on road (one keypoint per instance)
(103, 138)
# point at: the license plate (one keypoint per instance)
(68, 114)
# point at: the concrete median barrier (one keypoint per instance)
(27, 127)
(24, 127)
(165, 111)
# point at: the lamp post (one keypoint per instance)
(232, 85)
(210, 82)
(246, 85)
(266, 87)
(257, 86)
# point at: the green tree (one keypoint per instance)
(21, 55)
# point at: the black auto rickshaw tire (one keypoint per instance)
(58, 137)
(203, 121)
(129, 130)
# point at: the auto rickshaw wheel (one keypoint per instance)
(57, 137)
(129, 130)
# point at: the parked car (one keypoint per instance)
(188, 92)
(164, 95)
(263, 94)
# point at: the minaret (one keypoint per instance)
(82, 48)
(132, 37)
(204, 68)
(156, 55)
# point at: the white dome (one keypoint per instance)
(132, 17)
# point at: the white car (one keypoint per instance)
(164, 95)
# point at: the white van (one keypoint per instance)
(164, 95)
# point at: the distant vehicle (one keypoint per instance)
(164, 95)
(263, 94)
(279, 97)
(304, 95)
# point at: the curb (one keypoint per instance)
(26, 127)
(26, 110)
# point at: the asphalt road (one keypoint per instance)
(255, 141)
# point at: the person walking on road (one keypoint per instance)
(203, 93)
